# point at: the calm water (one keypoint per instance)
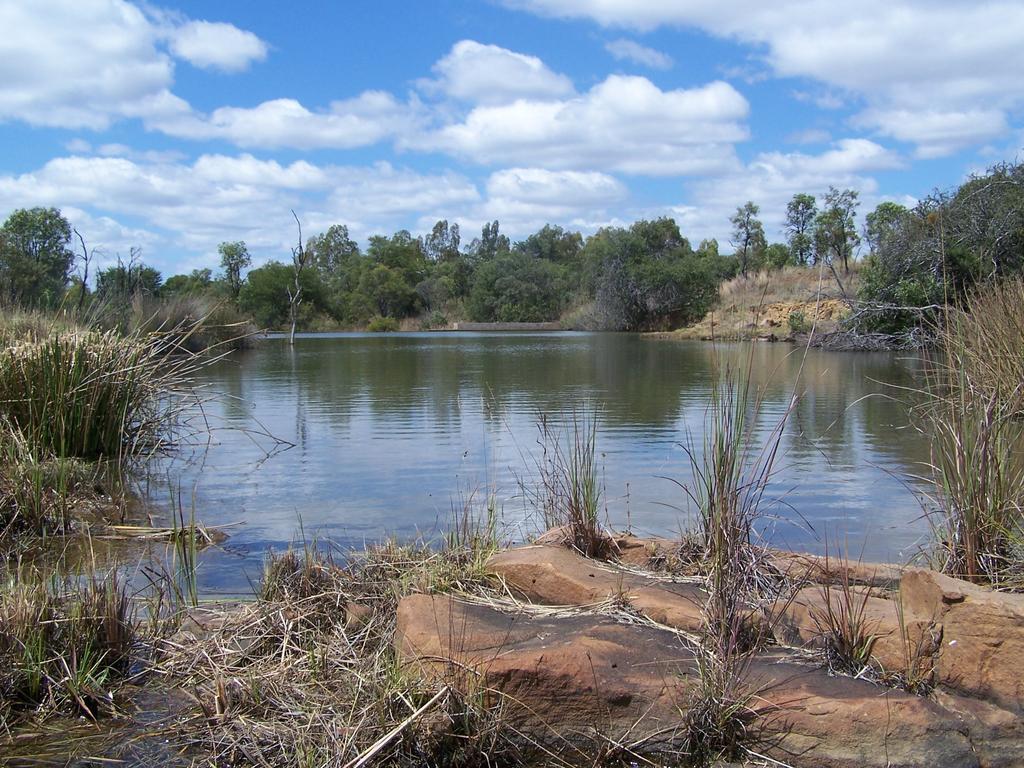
(387, 429)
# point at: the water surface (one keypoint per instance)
(387, 429)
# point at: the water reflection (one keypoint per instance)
(387, 428)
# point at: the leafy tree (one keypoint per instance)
(490, 245)
(333, 253)
(748, 236)
(778, 255)
(800, 214)
(234, 257)
(265, 294)
(835, 232)
(126, 281)
(647, 276)
(388, 291)
(517, 288)
(196, 283)
(883, 223)
(553, 244)
(442, 244)
(35, 260)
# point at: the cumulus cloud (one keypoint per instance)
(216, 45)
(624, 124)
(955, 59)
(630, 50)
(489, 74)
(772, 178)
(194, 206)
(89, 63)
(357, 122)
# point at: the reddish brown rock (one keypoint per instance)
(898, 639)
(833, 570)
(558, 576)
(982, 646)
(564, 680)
(997, 734)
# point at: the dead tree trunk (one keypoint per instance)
(299, 258)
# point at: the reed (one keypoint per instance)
(971, 412)
(63, 643)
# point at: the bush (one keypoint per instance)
(798, 322)
(382, 325)
(91, 395)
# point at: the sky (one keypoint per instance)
(175, 127)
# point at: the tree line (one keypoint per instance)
(642, 277)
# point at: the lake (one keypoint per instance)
(359, 436)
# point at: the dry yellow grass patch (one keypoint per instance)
(762, 303)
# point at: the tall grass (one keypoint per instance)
(63, 642)
(92, 395)
(972, 415)
(570, 486)
(730, 473)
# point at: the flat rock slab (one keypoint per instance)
(898, 638)
(553, 575)
(982, 647)
(568, 680)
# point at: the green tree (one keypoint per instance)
(123, 282)
(442, 244)
(388, 291)
(265, 294)
(778, 255)
(234, 257)
(517, 288)
(553, 244)
(490, 245)
(196, 283)
(800, 214)
(35, 260)
(748, 236)
(883, 223)
(835, 231)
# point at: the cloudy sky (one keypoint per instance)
(175, 127)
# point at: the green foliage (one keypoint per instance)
(516, 288)
(800, 214)
(648, 277)
(748, 237)
(234, 257)
(35, 261)
(123, 282)
(777, 256)
(382, 325)
(798, 322)
(265, 294)
(835, 235)
(196, 283)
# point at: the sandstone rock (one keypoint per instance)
(982, 631)
(997, 734)
(565, 680)
(558, 576)
(833, 570)
(802, 621)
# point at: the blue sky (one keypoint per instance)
(175, 127)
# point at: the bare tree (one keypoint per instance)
(300, 257)
(86, 261)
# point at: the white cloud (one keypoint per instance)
(216, 45)
(79, 64)
(624, 124)
(772, 178)
(937, 133)
(366, 119)
(809, 136)
(953, 58)
(489, 74)
(630, 50)
(175, 206)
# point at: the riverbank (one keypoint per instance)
(474, 654)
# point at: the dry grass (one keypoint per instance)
(763, 302)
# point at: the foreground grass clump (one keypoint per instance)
(972, 413)
(90, 395)
(307, 675)
(63, 644)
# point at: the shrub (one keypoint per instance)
(382, 325)
(798, 322)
